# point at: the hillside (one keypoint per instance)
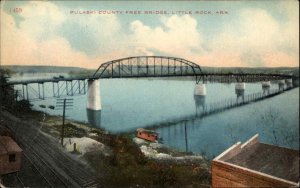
(272, 70)
(42, 69)
(84, 71)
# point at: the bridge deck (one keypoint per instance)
(207, 75)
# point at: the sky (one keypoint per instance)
(61, 33)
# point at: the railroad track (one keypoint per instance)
(54, 166)
(50, 175)
(35, 171)
(79, 173)
(46, 171)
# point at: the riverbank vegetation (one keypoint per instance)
(123, 164)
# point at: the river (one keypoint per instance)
(131, 103)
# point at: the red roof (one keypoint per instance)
(8, 145)
(146, 131)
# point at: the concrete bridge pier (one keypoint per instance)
(266, 87)
(200, 89)
(281, 84)
(240, 90)
(93, 95)
(289, 83)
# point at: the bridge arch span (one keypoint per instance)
(147, 66)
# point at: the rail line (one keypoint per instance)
(24, 177)
(53, 165)
(80, 175)
(50, 176)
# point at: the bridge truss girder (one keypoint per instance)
(147, 66)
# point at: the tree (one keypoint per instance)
(276, 127)
(7, 95)
(6, 91)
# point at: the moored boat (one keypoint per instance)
(148, 135)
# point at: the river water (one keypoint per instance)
(131, 103)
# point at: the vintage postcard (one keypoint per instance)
(149, 93)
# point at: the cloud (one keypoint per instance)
(289, 39)
(45, 37)
(40, 19)
(50, 35)
(177, 35)
(93, 34)
(255, 37)
(281, 59)
(34, 42)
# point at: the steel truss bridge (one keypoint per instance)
(133, 67)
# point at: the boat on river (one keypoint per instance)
(148, 135)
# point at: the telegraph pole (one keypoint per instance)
(64, 103)
(63, 124)
(186, 141)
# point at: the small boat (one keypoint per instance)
(148, 135)
(51, 107)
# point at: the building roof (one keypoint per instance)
(269, 159)
(276, 161)
(146, 131)
(8, 145)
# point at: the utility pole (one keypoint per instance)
(64, 103)
(17, 94)
(63, 124)
(186, 141)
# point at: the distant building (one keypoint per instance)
(10, 155)
(255, 164)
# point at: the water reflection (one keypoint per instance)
(94, 117)
(200, 103)
(240, 94)
(266, 90)
(178, 135)
(211, 135)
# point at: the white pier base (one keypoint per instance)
(281, 84)
(200, 89)
(93, 95)
(240, 86)
(289, 83)
(266, 84)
